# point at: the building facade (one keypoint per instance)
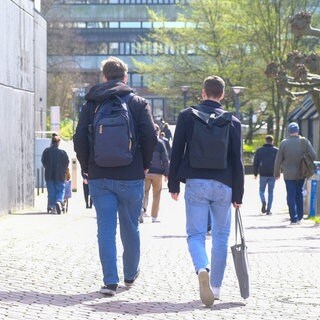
(23, 99)
(105, 28)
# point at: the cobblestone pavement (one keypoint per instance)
(49, 267)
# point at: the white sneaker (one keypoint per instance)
(206, 295)
(216, 293)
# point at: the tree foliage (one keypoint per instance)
(234, 39)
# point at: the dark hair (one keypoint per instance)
(114, 69)
(269, 138)
(213, 86)
(55, 139)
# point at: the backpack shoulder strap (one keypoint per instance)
(225, 116)
(204, 116)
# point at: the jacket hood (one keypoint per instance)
(101, 92)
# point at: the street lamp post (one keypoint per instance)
(237, 90)
(75, 92)
(184, 90)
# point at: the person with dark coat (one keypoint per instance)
(167, 143)
(207, 191)
(55, 162)
(159, 169)
(263, 165)
(167, 132)
(117, 192)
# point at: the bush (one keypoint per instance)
(66, 129)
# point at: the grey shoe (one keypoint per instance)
(206, 294)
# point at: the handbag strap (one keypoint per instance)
(304, 145)
(239, 226)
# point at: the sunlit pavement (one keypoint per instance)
(49, 267)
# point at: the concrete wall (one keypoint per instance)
(40, 53)
(23, 30)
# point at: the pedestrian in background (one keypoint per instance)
(288, 161)
(117, 192)
(167, 143)
(207, 191)
(159, 168)
(55, 162)
(167, 132)
(263, 164)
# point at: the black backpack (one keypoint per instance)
(210, 139)
(113, 134)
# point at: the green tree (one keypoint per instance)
(235, 39)
(271, 37)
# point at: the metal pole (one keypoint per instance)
(184, 99)
(38, 181)
(238, 106)
(73, 112)
(42, 179)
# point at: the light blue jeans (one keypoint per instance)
(201, 197)
(56, 192)
(270, 182)
(123, 198)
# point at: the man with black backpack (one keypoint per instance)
(263, 164)
(114, 143)
(214, 178)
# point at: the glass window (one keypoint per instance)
(79, 24)
(136, 80)
(113, 48)
(103, 48)
(114, 25)
(130, 25)
(157, 108)
(146, 24)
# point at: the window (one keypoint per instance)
(114, 48)
(130, 25)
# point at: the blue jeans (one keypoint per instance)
(295, 199)
(56, 191)
(125, 198)
(202, 197)
(267, 181)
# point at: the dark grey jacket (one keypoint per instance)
(160, 159)
(289, 156)
(264, 159)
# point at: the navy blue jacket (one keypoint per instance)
(55, 162)
(180, 169)
(144, 129)
(264, 159)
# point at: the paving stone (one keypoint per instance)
(50, 267)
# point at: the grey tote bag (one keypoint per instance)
(240, 257)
